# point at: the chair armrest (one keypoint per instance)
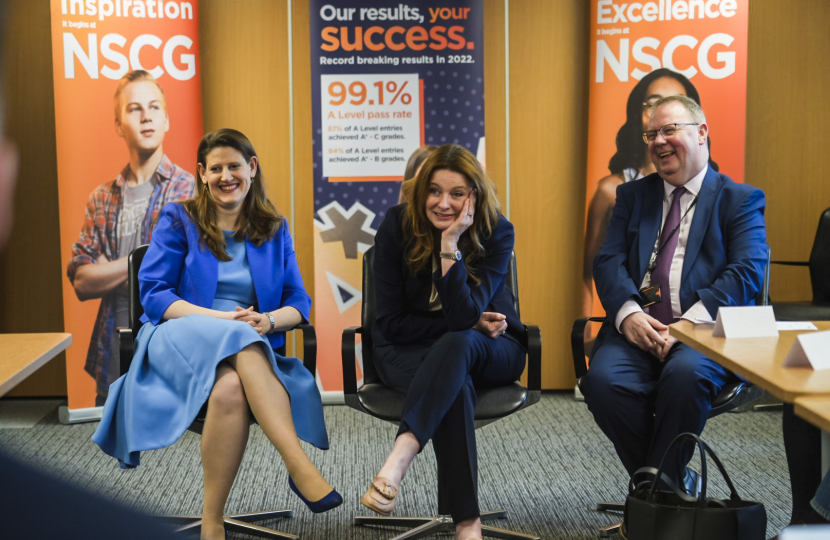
(578, 344)
(309, 347)
(534, 357)
(791, 263)
(349, 357)
(125, 348)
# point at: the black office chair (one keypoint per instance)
(243, 523)
(731, 396)
(819, 264)
(380, 401)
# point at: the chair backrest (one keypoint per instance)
(136, 309)
(367, 317)
(762, 299)
(820, 260)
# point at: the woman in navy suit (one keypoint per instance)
(445, 323)
(220, 285)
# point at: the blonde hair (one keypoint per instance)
(131, 77)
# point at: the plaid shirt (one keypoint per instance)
(98, 237)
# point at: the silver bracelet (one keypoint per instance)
(270, 318)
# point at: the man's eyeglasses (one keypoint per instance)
(667, 131)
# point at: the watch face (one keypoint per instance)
(457, 255)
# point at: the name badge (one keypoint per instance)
(650, 295)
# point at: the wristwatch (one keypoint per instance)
(271, 320)
(454, 255)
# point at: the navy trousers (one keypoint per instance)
(642, 404)
(439, 381)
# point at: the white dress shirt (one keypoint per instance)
(698, 312)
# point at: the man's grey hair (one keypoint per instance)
(688, 103)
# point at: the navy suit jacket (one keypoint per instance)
(402, 307)
(178, 266)
(726, 252)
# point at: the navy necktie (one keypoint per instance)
(662, 310)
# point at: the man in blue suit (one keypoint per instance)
(681, 243)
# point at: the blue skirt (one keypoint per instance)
(171, 377)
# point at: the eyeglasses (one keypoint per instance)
(667, 131)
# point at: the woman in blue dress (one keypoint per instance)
(220, 285)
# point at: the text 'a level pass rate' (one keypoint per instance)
(371, 123)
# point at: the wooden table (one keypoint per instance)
(758, 360)
(23, 354)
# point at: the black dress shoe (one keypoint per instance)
(692, 483)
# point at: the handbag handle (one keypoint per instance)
(645, 477)
(703, 448)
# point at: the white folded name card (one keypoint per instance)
(745, 322)
(811, 350)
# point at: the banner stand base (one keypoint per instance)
(333, 397)
(77, 416)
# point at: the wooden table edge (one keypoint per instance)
(786, 396)
(21, 375)
(802, 410)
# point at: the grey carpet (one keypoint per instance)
(547, 466)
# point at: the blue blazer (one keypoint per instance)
(402, 308)
(726, 252)
(178, 266)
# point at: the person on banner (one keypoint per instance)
(413, 164)
(120, 215)
(220, 286)
(446, 325)
(631, 162)
(681, 243)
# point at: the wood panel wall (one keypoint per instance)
(303, 151)
(246, 85)
(788, 120)
(30, 266)
(548, 132)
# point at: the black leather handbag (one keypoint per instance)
(654, 513)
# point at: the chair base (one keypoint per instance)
(241, 523)
(614, 528)
(421, 527)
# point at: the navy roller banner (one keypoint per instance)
(386, 80)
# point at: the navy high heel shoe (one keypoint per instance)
(332, 500)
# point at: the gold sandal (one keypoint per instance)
(381, 497)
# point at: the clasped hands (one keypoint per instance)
(648, 334)
(259, 321)
(491, 324)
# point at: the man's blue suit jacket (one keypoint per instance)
(178, 266)
(726, 252)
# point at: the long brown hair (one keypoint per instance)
(415, 160)
(420, 232)
(259, 220)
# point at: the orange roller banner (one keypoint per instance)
(641, 51)
(128, 116)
